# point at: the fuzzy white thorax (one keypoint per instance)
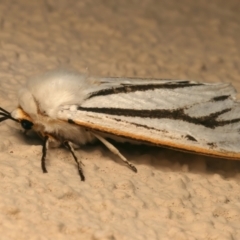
(42, 97)
(47, 93)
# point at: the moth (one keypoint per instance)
(67, 108)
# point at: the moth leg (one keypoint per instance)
(115, 151)
(68, 145)
(44, 153)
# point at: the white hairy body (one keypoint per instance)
(42, 98)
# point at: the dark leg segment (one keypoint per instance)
(44, 153)
(67, 144)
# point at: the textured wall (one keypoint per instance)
(174, 195)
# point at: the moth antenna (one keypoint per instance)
(6, 115)
(68, 145)
(115, 151)
(3, 118)
(44, 153)
(1, 109)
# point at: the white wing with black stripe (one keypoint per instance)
(185, 115)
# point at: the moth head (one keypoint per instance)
(18, 115)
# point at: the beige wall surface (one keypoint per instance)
(174, 195)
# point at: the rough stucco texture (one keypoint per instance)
(173, 195)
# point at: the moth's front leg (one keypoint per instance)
(47, 139)
(44, 152)
(69, 146)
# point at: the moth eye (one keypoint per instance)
(26, 124)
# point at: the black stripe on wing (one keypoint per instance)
(220, 98)
(209, 121)
(127, 88)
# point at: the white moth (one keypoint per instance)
(71, 109)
